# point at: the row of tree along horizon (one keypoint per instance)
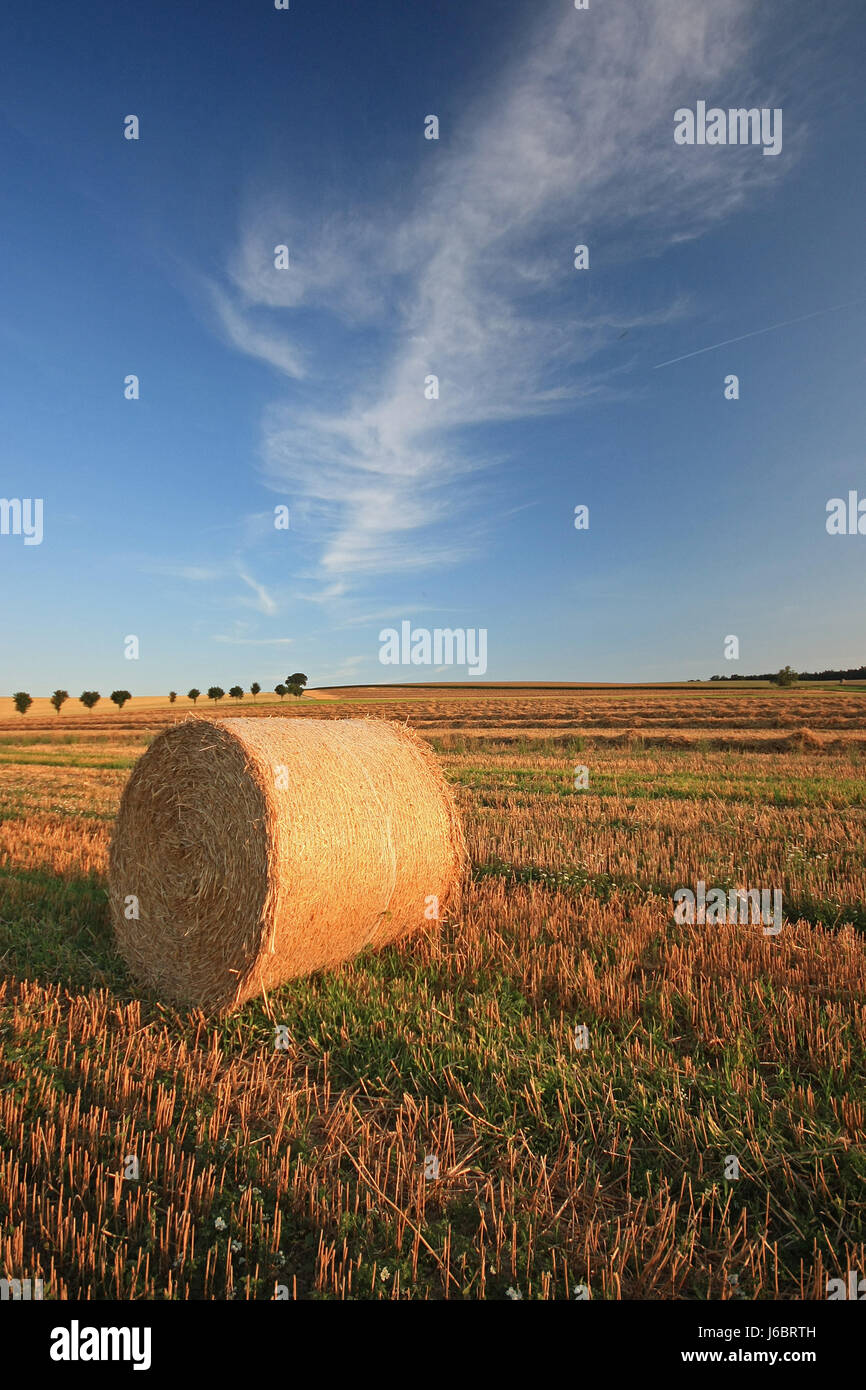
(294, 685)
(788, 676)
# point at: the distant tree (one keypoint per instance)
(295, 689)
(23, 701)
(237, 692)
(59, 698)
(215, 692)
(787, 676)
(193, 694)
(853, 673)
(89, 698)
(297, 679)
(280, 690)
(120, 697)
(172, 696)
(254, 689)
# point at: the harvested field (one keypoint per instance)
(308, 1168)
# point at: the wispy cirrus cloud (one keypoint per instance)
(252, 641)
(255, 340)
(472, 276)
(263, 601)
(196, 574)
(346, 670)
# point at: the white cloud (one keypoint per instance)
(253, 641)
(388, 615)
(199, 574)
(348, 667)
(572, 143)
(263, 601)
(256, 341)
(331, 591)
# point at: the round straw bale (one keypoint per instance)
(250, 851)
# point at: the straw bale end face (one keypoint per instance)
(247, 852)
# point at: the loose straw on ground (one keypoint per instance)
(247, 852)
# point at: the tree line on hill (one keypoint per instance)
(294, 685)
(788, 676)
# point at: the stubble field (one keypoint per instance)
(306, 1172)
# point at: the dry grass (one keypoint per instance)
(558, 1166)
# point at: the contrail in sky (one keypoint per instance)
(757, 332)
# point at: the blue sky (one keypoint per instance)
(408, 256)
